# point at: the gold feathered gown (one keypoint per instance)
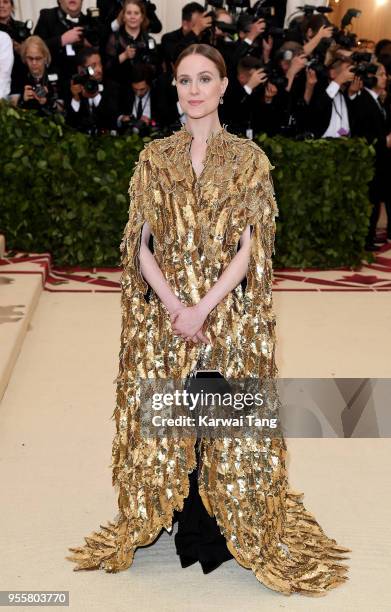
(196, 224)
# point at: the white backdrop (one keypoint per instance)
(168, 11)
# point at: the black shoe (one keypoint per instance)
(187, 561)
(209, 566)
(371, 247)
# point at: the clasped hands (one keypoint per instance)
(188, 321)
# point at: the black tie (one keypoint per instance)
(383, 110)
(139, 109)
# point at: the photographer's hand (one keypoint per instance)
(355, 86)
(28, 93)
(323, 32)
(72, 36)
(202, 22)
(267, 45)
(129, 53)
(345, 76)
(311, 80)
(257, 77)
(256, 28)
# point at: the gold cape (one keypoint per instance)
(196, 224)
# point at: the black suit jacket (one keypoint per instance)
(321, 106)
(370, 123)
(50, 28)
(240, 109)
(126, 102)
(100, 118)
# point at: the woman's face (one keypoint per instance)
(132, 16)
(5, 10)
(198, 80)
(35, 61)
(381, 78)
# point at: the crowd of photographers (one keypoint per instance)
(105, 72)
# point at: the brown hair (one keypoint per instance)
(38, 42)
(145, 22)
(207, 51)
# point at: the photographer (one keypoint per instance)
(131, 45)
(93, 108)
(290, 63)
(110, 13)
(66, 31)
(138, 103)
(18, 31)
(243, 96)
(194, 29)
(331, 103)
(251, 41)
(371, 121)
(317, 32)
(39, 87)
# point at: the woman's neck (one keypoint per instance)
(202, 131)
(132, 31)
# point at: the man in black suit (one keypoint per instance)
(63, 28)
(371, 122)
(93, 108)
(244, 96)
(330, 107)
(138, 102)
(191, 31)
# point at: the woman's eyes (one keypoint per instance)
(182, 81)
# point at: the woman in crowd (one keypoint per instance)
(38, 88)
(131, 44)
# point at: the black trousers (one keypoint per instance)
(198, 537)
(376, 197)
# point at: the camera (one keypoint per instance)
(20, 30)
(275, 77)
(367, 73)
(91, 29)
(86, 78)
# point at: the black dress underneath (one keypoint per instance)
(198, 537)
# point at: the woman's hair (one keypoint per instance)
(145, 22)
(207, 51)
(315, 22)
(38, 42)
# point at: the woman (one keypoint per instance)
(38, 89)
(131, 44)
(200, 192)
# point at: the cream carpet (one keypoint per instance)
(56, 434)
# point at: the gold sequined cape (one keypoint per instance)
(196, 223)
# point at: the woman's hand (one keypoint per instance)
(187, 322)
(129, 53)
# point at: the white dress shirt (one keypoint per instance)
(339, 120)
(6, 63)
(146, 104)
(95, 101)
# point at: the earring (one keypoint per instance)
(221, 100)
